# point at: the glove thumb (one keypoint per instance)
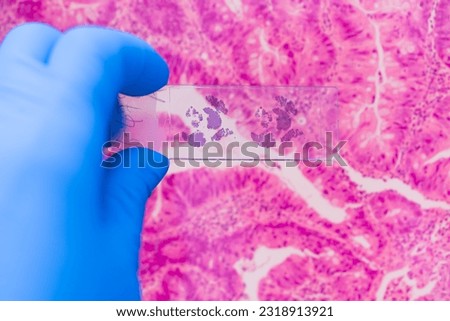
(130, 177)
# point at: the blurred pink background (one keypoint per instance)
(376, 229)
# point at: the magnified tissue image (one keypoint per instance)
(375, 227)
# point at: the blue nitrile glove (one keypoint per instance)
(70, 228)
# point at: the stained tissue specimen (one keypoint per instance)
(283, 117)
(292, 133)
(196, 139)
(197, 117)
(266, 117)
(218, 104)
(214, 120)
(221, 133)
(378, 228)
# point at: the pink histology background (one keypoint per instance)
(376, 229)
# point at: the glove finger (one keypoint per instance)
(130, 177)
(34, 40)
(109, 62)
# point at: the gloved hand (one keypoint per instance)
(69, 227)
